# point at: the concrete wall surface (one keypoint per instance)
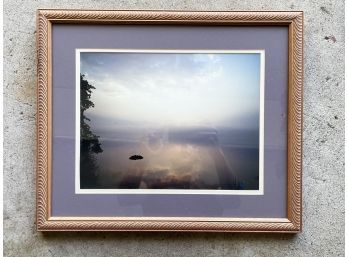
(323, 148)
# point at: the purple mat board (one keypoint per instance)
(273, 39)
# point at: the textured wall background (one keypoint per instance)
(323, 162)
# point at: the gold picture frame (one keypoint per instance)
(47, 222)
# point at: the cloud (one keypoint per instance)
(175, 88)
(145, 70)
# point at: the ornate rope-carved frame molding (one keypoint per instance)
(45, 222)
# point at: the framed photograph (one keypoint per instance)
(169, 121)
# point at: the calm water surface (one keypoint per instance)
(178, 158)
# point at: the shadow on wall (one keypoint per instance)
(175, 237)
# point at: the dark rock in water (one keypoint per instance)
(136, 157)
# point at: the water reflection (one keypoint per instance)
(178, 158)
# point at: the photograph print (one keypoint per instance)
(169, 121)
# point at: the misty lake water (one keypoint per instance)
(177, 158)
(170, 120)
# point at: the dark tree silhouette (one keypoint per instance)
(89, 142)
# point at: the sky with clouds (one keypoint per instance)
(182, 89)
